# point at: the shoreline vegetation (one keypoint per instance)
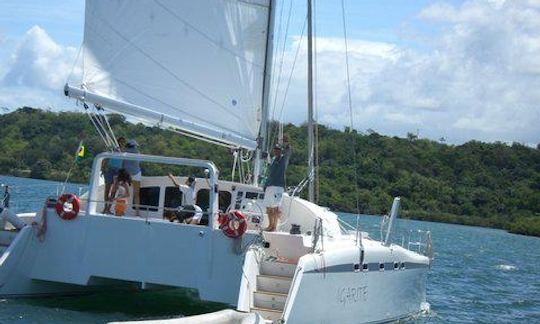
(483, 184)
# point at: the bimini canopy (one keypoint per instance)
(193, 65)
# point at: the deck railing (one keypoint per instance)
(420, 241)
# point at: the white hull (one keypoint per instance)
(358, 297)
(89, 250)
(335, 286)
(339, 278)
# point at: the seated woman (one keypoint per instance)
(189, 213)
(120, 192)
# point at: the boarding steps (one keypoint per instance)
(273, 284)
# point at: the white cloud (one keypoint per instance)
(36, 71)
(472, 72)
(40, 62)
(479, 79)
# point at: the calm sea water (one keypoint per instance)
(479, 276)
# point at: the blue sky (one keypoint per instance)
(63, 20)
(444, 68)
(371, 20)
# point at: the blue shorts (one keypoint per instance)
(110, 174)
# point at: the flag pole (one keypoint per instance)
(80, 154)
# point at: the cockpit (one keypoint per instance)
(160, 199)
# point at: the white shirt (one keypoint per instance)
(188, 194)
(121, 192)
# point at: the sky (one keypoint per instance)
(452, 70)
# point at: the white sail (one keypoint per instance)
(193, 65)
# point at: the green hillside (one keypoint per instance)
(476, 183)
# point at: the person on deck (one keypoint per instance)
(111, 167)
(134, 170)
(275, 183)
(121, 192)
(189, 212)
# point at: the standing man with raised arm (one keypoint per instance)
(275, 182)
(189, 212)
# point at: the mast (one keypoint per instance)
(311, 121)
(263, 132)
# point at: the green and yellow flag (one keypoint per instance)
(80, 151)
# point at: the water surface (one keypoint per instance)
(479, 276)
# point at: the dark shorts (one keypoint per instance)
(185, 212)
(110, 174)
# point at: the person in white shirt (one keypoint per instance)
(189, 207)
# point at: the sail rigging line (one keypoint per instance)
(99, 123)
(351, 115)
(102, 125)
(292, 69)
(244, 159)
(101, 120)
(99, 108)
(310, 114)
(248, 176)
(94, 121)
(302, 184)
(207, 37)
(279, 76)
(316, 103)
(273, 137)
(77, 57)
(168, 71)
(110, 143)
(278, 41)
(282, 59)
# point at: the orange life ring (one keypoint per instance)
(68, 206)
(233, 224)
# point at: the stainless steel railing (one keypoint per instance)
(420, 241)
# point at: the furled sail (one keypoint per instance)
(193, 65)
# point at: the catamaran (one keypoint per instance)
(203, 68)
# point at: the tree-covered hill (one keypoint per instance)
(476, 183)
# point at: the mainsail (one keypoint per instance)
(197, 66)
